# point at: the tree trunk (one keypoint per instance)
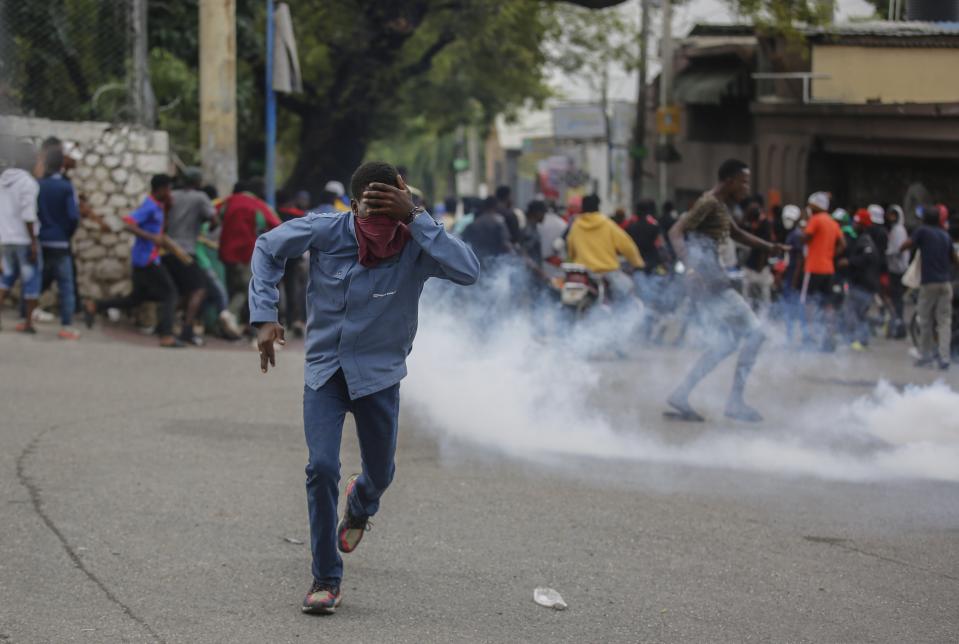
(329, 149)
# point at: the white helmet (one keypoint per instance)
(819, 200)
(335, 187)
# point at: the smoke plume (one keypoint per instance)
(495, 372)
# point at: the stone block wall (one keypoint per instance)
(114, 164)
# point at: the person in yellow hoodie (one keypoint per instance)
(596, 242)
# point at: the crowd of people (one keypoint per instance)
(830, 276)
(190, 255)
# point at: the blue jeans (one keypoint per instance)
(16, 264)
(58, 265)
(793, 312)
(376, 418)
(856, 315)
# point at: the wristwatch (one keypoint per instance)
(413, 213)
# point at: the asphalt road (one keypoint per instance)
(152, 496)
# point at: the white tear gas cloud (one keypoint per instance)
(482, 373)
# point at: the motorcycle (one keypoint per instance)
(580, 290)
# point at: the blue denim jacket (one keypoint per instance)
(360, 319)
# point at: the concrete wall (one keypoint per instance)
(114, 164)
(890, 74)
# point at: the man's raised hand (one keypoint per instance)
(394, 202)
(268, 333)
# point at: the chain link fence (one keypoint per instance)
(71, 60)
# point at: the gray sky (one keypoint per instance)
(623, 84)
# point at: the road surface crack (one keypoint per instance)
(36, 500)
(848, 545)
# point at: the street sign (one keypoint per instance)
(579, 122)
(667, 120)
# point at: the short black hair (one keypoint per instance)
(591, 203)
(536, 207)
(372, 172)
(51, 142)
(503, 193)
(488, 205)
(327, 197)
(210, 191)
(193, 178)
(159, 181)
(53, 160)
(930, 214)
(730, 168)
(646, 207)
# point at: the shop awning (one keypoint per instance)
(708, 86)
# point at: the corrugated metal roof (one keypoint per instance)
(886, 29)
(905, 32)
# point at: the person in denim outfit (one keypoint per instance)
(367, 270)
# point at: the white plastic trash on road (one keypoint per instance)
(549, 598)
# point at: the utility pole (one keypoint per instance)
(604, 104)
(144, 106)
(473, 153)
(218, 93)
(665, 92)
(270, 100)
(639, 151)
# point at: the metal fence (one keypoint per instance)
(74, 60)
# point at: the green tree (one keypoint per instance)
(784, 16)
(378, 70)
(65, 60)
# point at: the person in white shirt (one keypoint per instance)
(19, 248)
(898, 262)
(550, 229)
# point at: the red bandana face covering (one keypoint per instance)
(379, 238)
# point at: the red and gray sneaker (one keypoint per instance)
(350, 531)
(323, 598)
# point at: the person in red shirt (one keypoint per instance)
(824, 241)
(244, 216)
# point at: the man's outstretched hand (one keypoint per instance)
(778, 250)
(268, 333)
(394, 202)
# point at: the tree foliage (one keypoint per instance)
(373, 70)
(784, 16)
(378, 70)
(65, 60)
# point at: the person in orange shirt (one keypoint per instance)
(824, 241)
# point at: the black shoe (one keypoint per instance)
(187, 336)
(924, 362)
(322, 599)
(683, 410)
(943, 365)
